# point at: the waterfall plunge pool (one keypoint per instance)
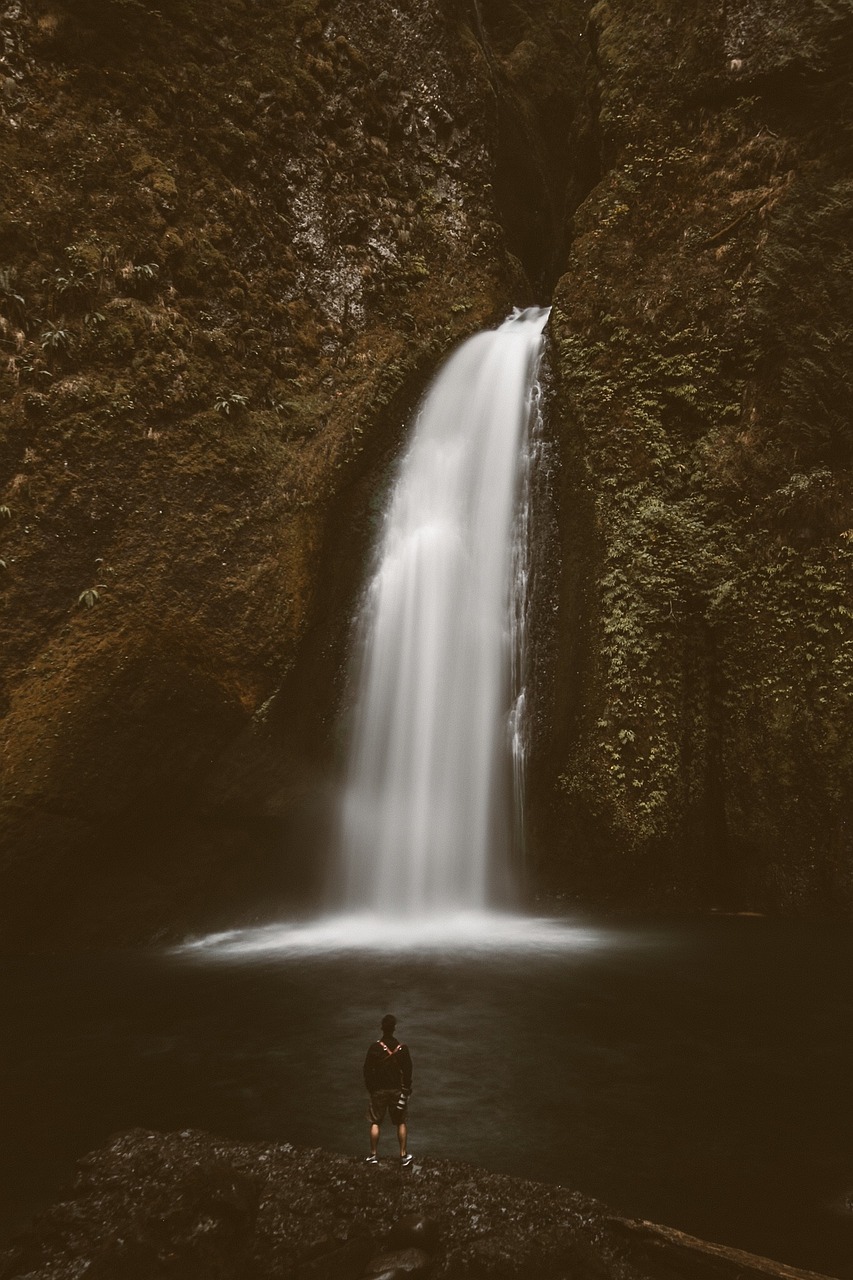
(694, 1074)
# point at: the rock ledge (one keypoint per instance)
(187, 1205)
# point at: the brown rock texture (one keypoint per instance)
(186, 1205)
(236, 238)
(700, 711)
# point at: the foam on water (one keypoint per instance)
(460, 933)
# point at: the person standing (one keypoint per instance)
(388, 1077)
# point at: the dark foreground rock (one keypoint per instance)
(187, 1205)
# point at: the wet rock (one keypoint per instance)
(415, 1231)
(393, 1273)
(343, 1262)
(398, 1262)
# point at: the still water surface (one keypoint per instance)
(698, 1075)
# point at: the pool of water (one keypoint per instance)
(695, 1074)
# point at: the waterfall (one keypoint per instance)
(436, 756)
(432, 798)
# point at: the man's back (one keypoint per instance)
(388, 1065)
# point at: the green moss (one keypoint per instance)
(156, 177)
(701, 335)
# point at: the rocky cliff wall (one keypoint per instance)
(701, 333)
(236, 238)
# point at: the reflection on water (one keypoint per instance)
(696, 1075)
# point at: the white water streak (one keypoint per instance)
(426, 814)
(519, 605)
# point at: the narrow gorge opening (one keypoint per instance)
(547, 149)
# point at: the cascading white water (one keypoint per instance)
(433, 788)
(426, 816)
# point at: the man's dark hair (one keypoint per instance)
(389, 1022)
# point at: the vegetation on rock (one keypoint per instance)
(701, 333)
(235, 239)
(216, 312)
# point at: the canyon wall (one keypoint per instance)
(700, 339)
(236, 238)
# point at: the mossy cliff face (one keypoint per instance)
(701, 333)
(236, 238)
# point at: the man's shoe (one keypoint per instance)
(371, 1159)
(405, 1161)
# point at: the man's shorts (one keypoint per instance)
(390, 1100)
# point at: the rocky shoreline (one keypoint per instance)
(188, 1205)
